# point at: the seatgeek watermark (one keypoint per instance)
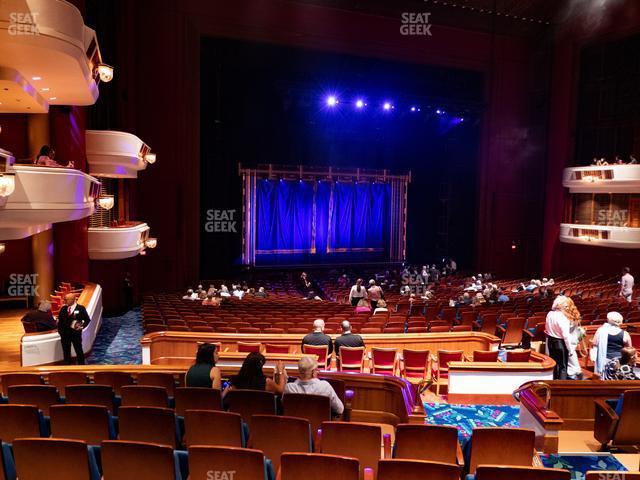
(221, 474)
(611, 476)
(221, 221)
(23, 285)
(23, 23)
(416, 284)
(415, 24)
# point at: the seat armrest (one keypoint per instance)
(527, 333)
(348, 405)
(605, 422)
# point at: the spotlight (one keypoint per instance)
(461, 119)
(360, 103)
(387, 106)
(440, 112)
(150, 158)
(151, 242)
(105, 71)
(332, 101)
(415, 109)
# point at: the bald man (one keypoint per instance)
(71, 320)
(318, 337)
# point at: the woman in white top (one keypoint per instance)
(357, 293)
(609, 341)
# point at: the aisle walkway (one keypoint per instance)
(118, 340)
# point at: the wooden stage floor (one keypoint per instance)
(10, 333)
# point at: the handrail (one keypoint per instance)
(528, 385)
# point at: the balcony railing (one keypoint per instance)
(606, 178)
(600, 235)
(125, 240)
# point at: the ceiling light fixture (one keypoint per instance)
(151, 242)
(106, 202)
(105, 72)
(7, 185)
(150, 158)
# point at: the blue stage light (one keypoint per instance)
(332, 101)
(360, 103)
(387, 106)
(415, 109)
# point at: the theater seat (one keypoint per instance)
(42, 396)
(489, 444)
(216, 428)
(138, 461)
(158, 379)
(417, 470)
(619, 427)
(274, 435)
(60, 380)
(434, 443)
(485, 356)
(250, 402)
(144, 396)
(314, 466)
(116, 380)
(10, 379)
(322, 351)
(245, 463)
(358, 440)
(148, 424)
(101, 395)
(315, 408)
(88, 423)
(192, 398)
(499, 472)
(351, 359)
(384, 360)
(53, 459)
(20, 421)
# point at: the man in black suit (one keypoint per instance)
(347, 339)
(71, 320)
(318, 337)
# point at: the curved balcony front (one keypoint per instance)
(113, 154)
(602, 179)
(47, 56)
(600, 235)
(116, 243)
(42, 196)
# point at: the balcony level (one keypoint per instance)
(607, 178)
(600, 235)
(125, 240)
(32, 198)
(113, 154)
(47, 56)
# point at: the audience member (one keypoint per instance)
(72, 319)
(347, 339)
(224, 291)
(357, 293)
(609, 340)
(381, 307)
(41, 318)
(626, 284)
(317, 337)
(211, 301)
(622, 368)
(503, 297)
(309, 383)
(191, 295)
(558, 332)
(46, 158)
(251, 376)
(260, 293)
(204, 372)
(374, 293)
(363, 306)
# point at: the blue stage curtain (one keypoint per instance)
(285, 216)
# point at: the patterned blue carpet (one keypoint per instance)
(579, 465)
(467, 417)
(118, 340)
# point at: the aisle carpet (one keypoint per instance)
(467, 417)
(579, 465)
(118, 340)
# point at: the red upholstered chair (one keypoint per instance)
(415, 365)
(384, 360)
(485, 355)
(441, 374)
(322, 351)
(518, 355)
(273, 348)
(352, 359)
(248, 347)
(462, 328)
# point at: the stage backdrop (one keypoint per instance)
(321, 220)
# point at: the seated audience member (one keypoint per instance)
(251, 376)
(41, 318)
(632, 160)
(261, 293)
(46, 158)
(533, 284)
(374, 293)
(622, 368)
(237, 291)
(381, 307)
(405, 290)
(309, 383)
(224, 291)
(348, 339)
(478, 300)
(211, 300)
(204, 372)
(363, 306)
(318, 337)
(343, 281)
(503, 297)
(609, 340)
(212, 290)
(191, 295)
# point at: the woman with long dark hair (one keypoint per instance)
(204, 372)
(357, 293)
(251, 376)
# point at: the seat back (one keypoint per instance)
(251, 402)
(273, 348)
(248, 347)
(518, 355)
(416, 363)
(194, 398)
(245, 463)
(489, 324)
(417, 470)
(117, 380)
(137, 461)
(101, 395)
(315, 408)
(53, 459)
(60, 380)
(42, 396)
(513, 333)
(435, 443)
(627, 432)
(351, 359)
(352, 439)
(148, 424)
(384, 360)
(19, 421)
(446, 356)
(609, 475)
(322, 351)
(158, 379)
(210, 427)
(144, 396)
(275, 434)
(315, 466)
(88, 423)
(10, 379)
(501, 472)
(489, 444)
(485, 355)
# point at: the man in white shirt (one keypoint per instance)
(374, 293)
(309, 383)
(558, 332)
(626, 284)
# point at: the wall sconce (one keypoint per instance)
(105, 72)
(7, 184)
(106, 202)
(151, 242)
(589, 178)
(150, 158)
(3, 247)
